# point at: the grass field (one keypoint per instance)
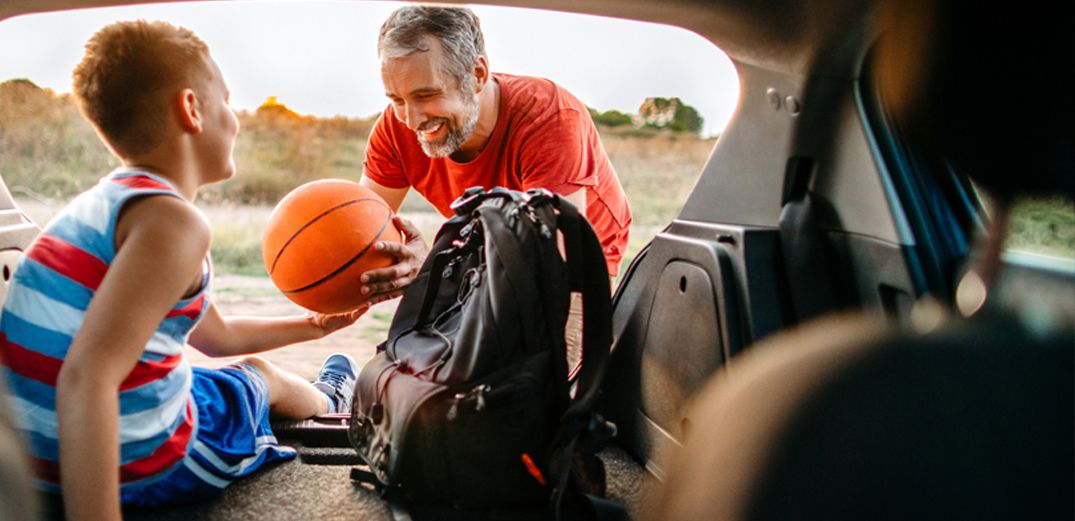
(1045, 226)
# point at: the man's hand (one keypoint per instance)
(388, 283)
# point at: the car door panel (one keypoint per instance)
(713, 289)
(16, 233)
(796, 201)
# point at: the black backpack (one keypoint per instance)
(467, 403)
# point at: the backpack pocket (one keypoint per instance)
(484, 445)
(386, 404)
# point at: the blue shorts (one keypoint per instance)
(233, 439)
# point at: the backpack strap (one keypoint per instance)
(416, 294)
(437, 272)
(516, 267)
(588, 272)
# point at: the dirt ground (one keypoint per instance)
(256, 296)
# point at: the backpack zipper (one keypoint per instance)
(475, 396)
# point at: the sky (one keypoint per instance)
(320, 58)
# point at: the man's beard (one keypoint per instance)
(455, 137)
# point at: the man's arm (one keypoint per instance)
(382, 162)
(578, 198)
(388, 283)
(392, 196)
(564, 155)
(160, 255)
(558, 155)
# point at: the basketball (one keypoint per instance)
(319, 241)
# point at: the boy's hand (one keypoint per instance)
(388, 283)
(331, 323)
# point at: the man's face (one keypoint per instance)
(425, 98)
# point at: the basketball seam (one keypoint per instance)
(349, 262)
(295, 235)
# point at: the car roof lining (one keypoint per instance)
(806, 38)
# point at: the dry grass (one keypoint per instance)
(657, 169)
(48, 154)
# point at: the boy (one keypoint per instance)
(104, 300)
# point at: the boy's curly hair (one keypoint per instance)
(129, 72)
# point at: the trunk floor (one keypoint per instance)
(317, 486)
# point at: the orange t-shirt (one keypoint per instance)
(543, 138)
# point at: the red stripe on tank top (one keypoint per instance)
(191, 310)
(46, 369)
(28, 363)
(68, 260)
(168, 454)
(138, 181)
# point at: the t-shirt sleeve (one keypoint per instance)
(558, 155)
(382, 164)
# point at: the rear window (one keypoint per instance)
(1044, 226)
(305, 82)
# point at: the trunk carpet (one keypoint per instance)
(317, 486)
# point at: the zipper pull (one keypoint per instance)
(453, 411)
(533, 469)
(479, 399)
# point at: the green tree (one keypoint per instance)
(610, 118)
(670, 114)
(686, 119)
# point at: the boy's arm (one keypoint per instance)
(160, 246)
(217, 335)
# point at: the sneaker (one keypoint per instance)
(337, 381)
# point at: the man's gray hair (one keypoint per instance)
(457, 29)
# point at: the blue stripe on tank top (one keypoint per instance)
(41, 278)
(44, 341)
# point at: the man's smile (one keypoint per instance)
(429, 130)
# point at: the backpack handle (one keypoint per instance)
(465, 208)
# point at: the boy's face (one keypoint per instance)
(220, 126)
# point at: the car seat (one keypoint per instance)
(838, 420)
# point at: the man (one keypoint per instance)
(453, 124)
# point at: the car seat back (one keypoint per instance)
(840, 420)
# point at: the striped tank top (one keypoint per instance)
(46, 302)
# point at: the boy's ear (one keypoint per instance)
(188, 112)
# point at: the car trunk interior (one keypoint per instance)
(776, 179)
(799, 211)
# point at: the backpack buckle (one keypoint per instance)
(535, 196)
(467, 202)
